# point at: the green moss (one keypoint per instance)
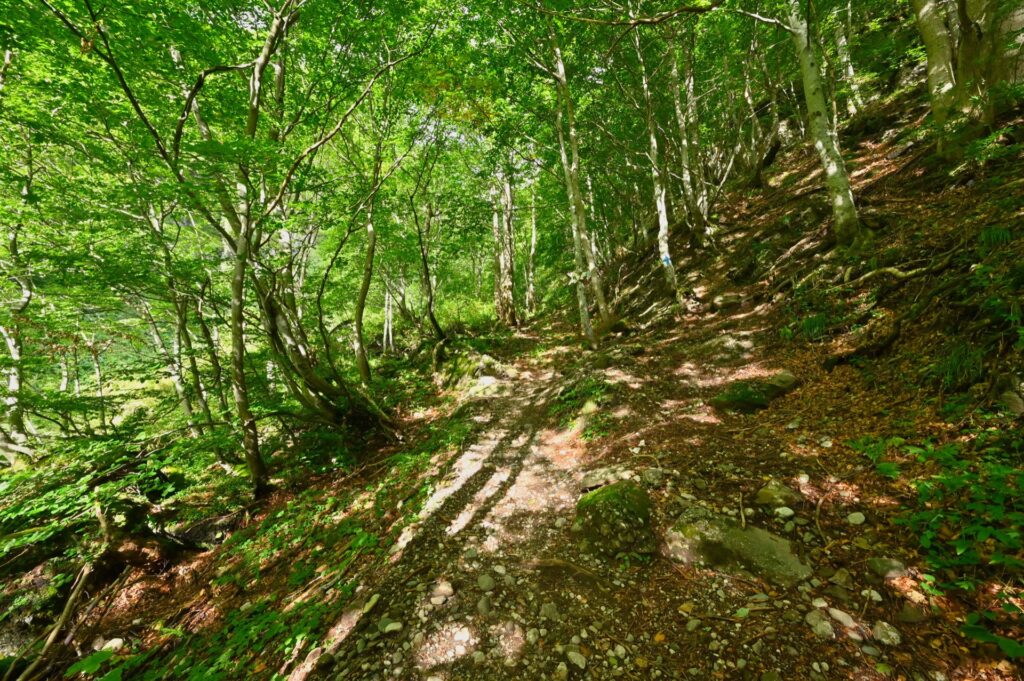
(616, 519)
(754, 394)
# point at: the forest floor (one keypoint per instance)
(452, 555)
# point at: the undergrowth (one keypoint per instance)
(968, 517)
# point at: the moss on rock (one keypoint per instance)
(616, 519)
(750, 395)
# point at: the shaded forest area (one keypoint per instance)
(512, 340)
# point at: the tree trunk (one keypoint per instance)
(173, 364)
(423, 238)
(940, 48)
(210, 340)
(579, 275)
(691, 201)
(571, 166)
(847, 227)
(531, 302)
(854, 102)
(239, 386)
(660, 192)
(504, 275)
(362, 362)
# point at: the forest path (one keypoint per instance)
(488, 583)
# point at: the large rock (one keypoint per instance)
(616, 519)
(750, 395)
(703, 537)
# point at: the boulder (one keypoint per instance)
(616, 519)
(776, 494)
(750, 395)
(703, 537)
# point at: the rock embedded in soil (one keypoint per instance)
(616, 519)
(607, 475)
(700, 536)
(750, 395)
(886, 634)
(485, 582)
(819, 624)
(887, 568)
(776, 494)
(856, 518)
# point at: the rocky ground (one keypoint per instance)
(687, 542)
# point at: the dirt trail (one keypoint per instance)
(488, 583)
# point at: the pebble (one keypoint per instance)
(485, 582)
(819, 624)
(483, 606)
(785, 512)
(843, 618)
(549, 611)
(856, 518)
(577, 659)
(886, 634)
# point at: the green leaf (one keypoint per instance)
(89, 665)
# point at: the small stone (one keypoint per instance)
(693, 624)
(113, 645)
(856, 518)
(577, 659)
(887, 568)
(392, 627)
(843, 578)
(549, 611)
(532, 636)
(871, 650)
(483, 606)
(776, 494)
(368, 606)
(561, 672)
(886, 634)
(479, 657)
(438, 600)
(871, 595)
(485, 582)
(785, 512)
(842, 617)
(819, 623)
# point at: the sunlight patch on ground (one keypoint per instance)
(335, 637)
(446, 645)
(467, 466)
(708, 418)
(510, 639)
(619, 376)
(479, 499)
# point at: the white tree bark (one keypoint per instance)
(940, 47)
(660, 192)
(571, 166)
(847, 226)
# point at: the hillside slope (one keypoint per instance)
(837, 536)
